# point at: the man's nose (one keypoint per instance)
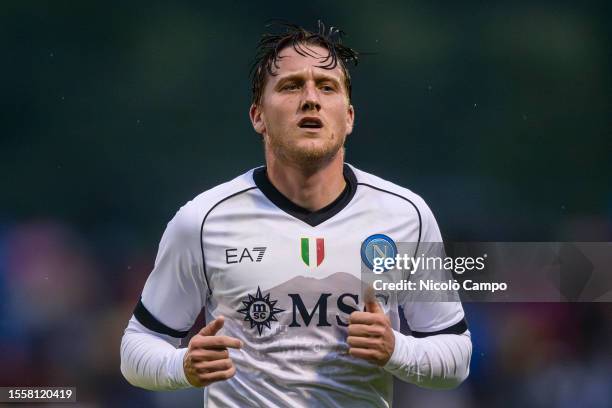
(311, 99)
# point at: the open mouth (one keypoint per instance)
(310, 123)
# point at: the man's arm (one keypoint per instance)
(173, 296)
(438, 361)
(151, 360)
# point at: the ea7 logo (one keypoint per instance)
(237, 255)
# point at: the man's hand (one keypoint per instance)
(370, 335)
(207, 359)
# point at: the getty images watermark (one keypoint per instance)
(423, 263)
(489, 271)
(425, 269)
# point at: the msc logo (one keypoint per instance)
(320, 309)
(254, 255)
(377, 246)
(259, 310)
(345, 303)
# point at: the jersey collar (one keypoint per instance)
(312, 218)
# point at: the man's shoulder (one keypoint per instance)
(398, 201)
(193, 212)
(220, 192)
(385, 189)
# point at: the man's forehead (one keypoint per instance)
(291, 61)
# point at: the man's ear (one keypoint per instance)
(257, 119)
(350, 119)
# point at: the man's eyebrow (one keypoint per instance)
(299, 78)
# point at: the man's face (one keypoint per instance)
(304, 115)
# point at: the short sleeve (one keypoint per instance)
(424, 315)
(176, 289)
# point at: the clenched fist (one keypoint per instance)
(370, 335)
(207, 359)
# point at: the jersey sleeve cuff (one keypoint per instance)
(177, 370)
(401, 352)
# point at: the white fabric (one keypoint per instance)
(300, 357)
(151, 360)
(440, 361)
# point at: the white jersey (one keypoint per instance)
(286, 280)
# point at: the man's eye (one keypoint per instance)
(328, 88)
(289, 87)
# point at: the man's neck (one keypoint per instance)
(311, 189)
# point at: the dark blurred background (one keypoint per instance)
(113, 116)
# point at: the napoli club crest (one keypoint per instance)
(259, 310)
(377, 246)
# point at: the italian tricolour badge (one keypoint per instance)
(312, 251)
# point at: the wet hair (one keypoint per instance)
(291, 35)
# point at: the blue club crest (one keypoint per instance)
(377, 246)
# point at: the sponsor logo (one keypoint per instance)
(238, 255)
(320, 310)
(312, 251)
(259, 310)
(377, 246)
(346, 303)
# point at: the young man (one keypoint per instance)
(274, 258)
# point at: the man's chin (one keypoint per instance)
(308, 150)
(307, 154)
(314, 156)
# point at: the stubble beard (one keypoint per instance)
(309, 156)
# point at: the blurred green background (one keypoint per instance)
(113, 115)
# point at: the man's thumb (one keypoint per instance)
(213, 327)
(373, 306)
